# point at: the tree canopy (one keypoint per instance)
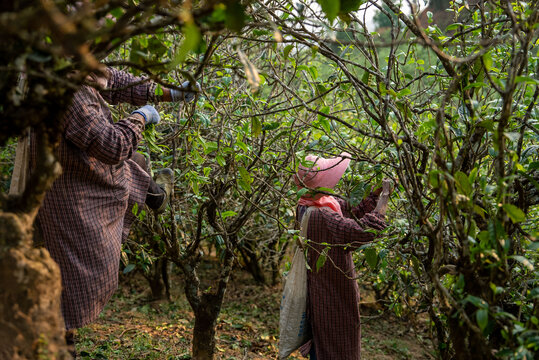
(448, 113)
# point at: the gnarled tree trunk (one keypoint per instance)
(158, 280)
(31, 324)
(204, 331)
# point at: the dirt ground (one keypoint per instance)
(130, 327)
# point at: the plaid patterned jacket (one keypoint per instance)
(86, 213)
(333, 300)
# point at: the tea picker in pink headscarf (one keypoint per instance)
(333, 293)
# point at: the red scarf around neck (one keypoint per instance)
(321, 200)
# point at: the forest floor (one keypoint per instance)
(131, 327)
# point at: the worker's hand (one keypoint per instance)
(151, 116)
(187, 95)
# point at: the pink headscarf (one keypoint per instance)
(323, 173)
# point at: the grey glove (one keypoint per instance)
(187, 96)
(151, 116)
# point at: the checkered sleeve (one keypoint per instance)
(346, 231)
(365, 206)
(126, 88)
(88, 128)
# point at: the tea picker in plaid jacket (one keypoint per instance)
(333, 293)
(87, 212)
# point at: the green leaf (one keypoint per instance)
(271, 126)
(210, 146)
(524, 261)
(302, 192)
(220, 160)
(454, 26)
(482, 318)
(527, 80)
(134, 210)
(464, 183)
(331, 8)
(314, 50)
(228, 213)
(244, 185)
(478, 302)
(326, 190)
(136, 55)
(245, 179)
(156, 46)
(404, 92)
(245, 174)
(371, 256)
(473, 174)
(256, 126)
(474, 85)
(479, 210)
(350, 5)
(242, 146)
(129, 268)
(117, 12)
(365, 77)
(434, 178)
(534, 293)
(382, 88)
(194, 185)
(196, 157)
(320, 89)
(286, 50)
(325, 125)
(533, 246)
(514, 213)
(321, 259)
(313, 70)
(143, 42)
(487, 124)
(190, 42)
(218, 14)
(235, 16)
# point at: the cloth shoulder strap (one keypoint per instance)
(21, 166)
(305, 221)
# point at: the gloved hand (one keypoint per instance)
(151, 116)
(187, 96)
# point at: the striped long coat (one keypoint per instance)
(333, 293)
(87, 211)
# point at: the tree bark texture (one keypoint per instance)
(206, 307)
(252, 262)
(158, 280)
(467, 344)
(31, 324)
(204, 331)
